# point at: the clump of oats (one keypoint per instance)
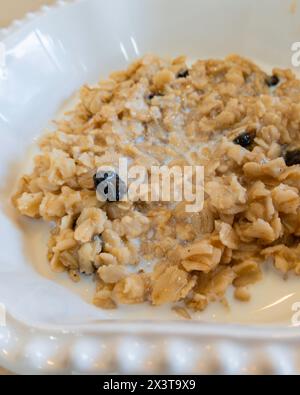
(227, 115)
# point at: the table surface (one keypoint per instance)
(15, 9)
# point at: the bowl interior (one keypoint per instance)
(49, 57)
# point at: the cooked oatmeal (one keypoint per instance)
(229, 116)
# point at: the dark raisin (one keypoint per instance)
(272, 80)
(183, 74)
(109, 185)
(153, 94)
(292, 157)
(245, 139)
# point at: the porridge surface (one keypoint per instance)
(229, 116)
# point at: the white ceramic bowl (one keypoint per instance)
(50, 327)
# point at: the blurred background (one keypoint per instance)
(12, 9)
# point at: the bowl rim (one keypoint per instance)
(243, 330)
(18, 23)
(110, 331)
